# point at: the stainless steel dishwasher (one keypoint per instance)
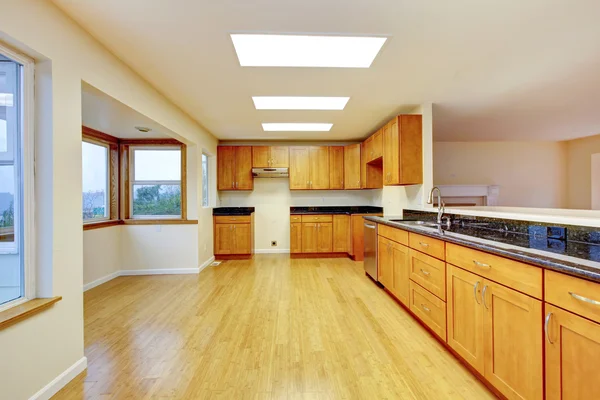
(370, 241)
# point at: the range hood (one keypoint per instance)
(270, 172)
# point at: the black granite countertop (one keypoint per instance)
(336, 210)
(536, 249)
(233, 210)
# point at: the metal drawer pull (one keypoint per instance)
(475, 292)
(424, 244)
(426, 273)
(369, 226)
(480, 264)
(425, 308)
(483, 296)
(546, 328)
(578, 297)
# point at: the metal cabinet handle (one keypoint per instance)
(581, 298)
(546, 328)
(475, 292)
(482, 265)
(425, 308)
(426, 273)
(369, 226)
(424, 244)
(483, 296)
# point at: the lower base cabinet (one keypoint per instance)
(572, 354)
(394, 268)
(233, 236)
(428, 308)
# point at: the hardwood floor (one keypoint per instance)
(267, 328)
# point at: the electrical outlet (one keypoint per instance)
(273, 243)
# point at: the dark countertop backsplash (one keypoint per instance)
(336, 210)
(233, 211)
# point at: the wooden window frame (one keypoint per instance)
(96, 137)
(127, 170)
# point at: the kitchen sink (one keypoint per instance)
(420, 223)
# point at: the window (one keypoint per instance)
(16, 177)
(95, 173)
(204, 180)
(157, 185)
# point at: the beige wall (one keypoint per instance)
(101, 253)
(579, 170)
(42, 31)
(530, 174)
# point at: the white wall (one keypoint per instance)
(272, 200)
(579, 170)
(530, 174)
(101, 253)
(67, 55)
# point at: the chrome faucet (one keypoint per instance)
(440, 203)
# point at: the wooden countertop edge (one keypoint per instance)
(26, 310)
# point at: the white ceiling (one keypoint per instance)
(106, 114)
(496, 70)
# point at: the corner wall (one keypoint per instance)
(579, 171)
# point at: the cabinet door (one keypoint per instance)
(410, 133)
(368, 149)
(341, 233)
(325, 237)
(401, 272)
(336, 167)
(225, 167)
(243, 168)
(310, 237)
(465, 315)
(319, 167)
(224, 239)
(363, 165)
(391, 153)
(377, 145)
(280, 157)
(243, 238)
(572, 354)
(299, 167)
(512, 331)
(296, 237)
(260, 157)
(352, 166)
(385, 267)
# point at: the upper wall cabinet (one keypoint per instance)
(403, 151)
(374, 146)
(336, 167)
(352, 166)
(234, 168)
(309, 167)
(270, 157)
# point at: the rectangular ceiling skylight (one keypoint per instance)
(260, 50)
(299, 103)
(296, 127)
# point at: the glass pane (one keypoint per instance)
(95, 181)
(204, 180)
(11, 184)
(164, 200)
(157, 165)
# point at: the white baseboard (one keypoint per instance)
(271, 251)
(164, 271)
(61, 380)
(206, 263)
(100, 281)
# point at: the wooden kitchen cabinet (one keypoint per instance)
(234, 168)
(352, 166)
(341, 233)
(336, 167)
(270, 157)
(319, 167)
(572, 354)
(403, 151)
(385, 264)
(401, 272)
(224, 240)
(512, 331)
(317, 237)
(325, 237)
(309, 167)
(295, 237)
(377, 145)
(465, 316)
(233, 238)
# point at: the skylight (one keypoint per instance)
(299, 103)
(259, 50)
(297, 127)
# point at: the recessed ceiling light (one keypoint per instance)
(299, 103)
(258, 50)
(143, 129)
(296, 127)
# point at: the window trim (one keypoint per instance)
(108, 188)
(27, 231)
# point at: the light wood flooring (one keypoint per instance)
(270, 328)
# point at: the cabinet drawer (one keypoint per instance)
(317, 218)
(516, 275)
(429, 309)
(428, 272)
(397, 235)
(574, 294)
(427, 245)
(295, 218)
(232, 219)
